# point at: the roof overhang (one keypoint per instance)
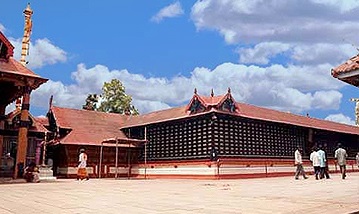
(350, 74)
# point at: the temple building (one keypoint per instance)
(211, 137)
(98, 133)
(20, 133)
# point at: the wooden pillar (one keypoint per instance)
(23, 130)
(2, 126)
(310, 142)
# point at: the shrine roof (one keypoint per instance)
(88, 127)
(12, 66)
(37, 125)
(350, 65)
(246, 111)
(348, 72)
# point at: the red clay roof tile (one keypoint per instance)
(248, 111)
(14, 67)
(88, 127)
(350, 65)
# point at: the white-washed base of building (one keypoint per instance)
(199, 170)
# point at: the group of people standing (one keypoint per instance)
(319, 160)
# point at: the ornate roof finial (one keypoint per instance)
(195, 90)
(27, 31)
(212, 93)
(50, 101)
(229, 90)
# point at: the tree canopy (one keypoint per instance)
(113, 99)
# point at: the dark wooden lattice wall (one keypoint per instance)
(231, 137)
(234, 136)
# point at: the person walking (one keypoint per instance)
(81, 171)
(322, 160)
(326, 170)
(341, 158)
(299, 163)
(314, 157)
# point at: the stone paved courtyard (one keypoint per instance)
(267, 195)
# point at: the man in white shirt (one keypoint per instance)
(341, 156)
(299, 163)
(322, 160)
(315, 158)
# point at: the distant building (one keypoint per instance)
(211, 137)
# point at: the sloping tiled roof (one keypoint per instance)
(38, 124)
(12, 66)
(8, 65)
(247, 111)
(215, 100)
(350, 65)
(88, 127)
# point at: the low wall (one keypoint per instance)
(197, 169)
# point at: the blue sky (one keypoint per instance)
(275, 54)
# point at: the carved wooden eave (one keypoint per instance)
(212, 102)
(15, 78)
(195, 98)
(13, 84)
(230, 97)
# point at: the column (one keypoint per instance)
(310, 144)
(23, 131)
(2, 126)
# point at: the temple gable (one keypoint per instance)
(6, 48)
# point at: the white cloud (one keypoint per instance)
(41, 53)
(172, 10)
(313, 54)
(344, 6)
(340, 118)
(322, 53)
(262, 52)
(273, 20)
(292, 88)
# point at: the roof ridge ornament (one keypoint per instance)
(195, 90)
(229, 90)
(212, 93)
(50, 102)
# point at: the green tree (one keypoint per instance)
(113, 99)
(91, 102)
